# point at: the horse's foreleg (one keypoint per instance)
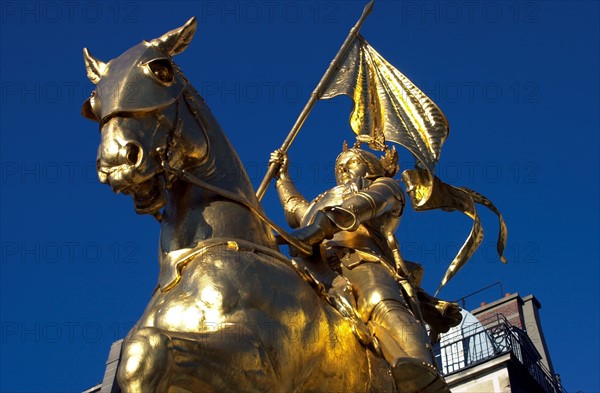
(231, 359)
(144, 359)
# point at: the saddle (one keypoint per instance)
(322, 271)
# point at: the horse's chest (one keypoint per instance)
(200, 302)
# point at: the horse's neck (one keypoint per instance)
(194, 214)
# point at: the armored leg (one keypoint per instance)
(401, 338)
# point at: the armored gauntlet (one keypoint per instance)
(322, 228)
(383, 196)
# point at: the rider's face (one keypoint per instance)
(349, 169)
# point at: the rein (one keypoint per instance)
(194, 180)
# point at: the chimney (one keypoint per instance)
(522, 313)
(533, 327)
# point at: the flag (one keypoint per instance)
(450, 198)
(387, 105)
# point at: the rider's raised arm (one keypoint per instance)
(294, 204)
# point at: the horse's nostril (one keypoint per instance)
(132, 153)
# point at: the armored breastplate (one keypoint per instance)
(369, 236)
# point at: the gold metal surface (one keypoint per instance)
(316, 94)
(449, 198)
(356, 222)
(231, 313)
(388, 107)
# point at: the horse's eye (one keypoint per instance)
(162, 70)
(95, 103)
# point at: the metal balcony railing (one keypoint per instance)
(477, 344)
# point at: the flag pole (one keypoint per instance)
(314, 97)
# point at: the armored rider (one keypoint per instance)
(355, 224)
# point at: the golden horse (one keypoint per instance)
(230, 312)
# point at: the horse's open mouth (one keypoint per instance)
(149, 196)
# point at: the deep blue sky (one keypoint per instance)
(518, 82)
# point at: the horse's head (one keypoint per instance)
(137, 105)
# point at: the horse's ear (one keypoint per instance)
(95, 68)
(176, 41)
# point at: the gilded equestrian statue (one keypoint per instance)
(230, 312)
